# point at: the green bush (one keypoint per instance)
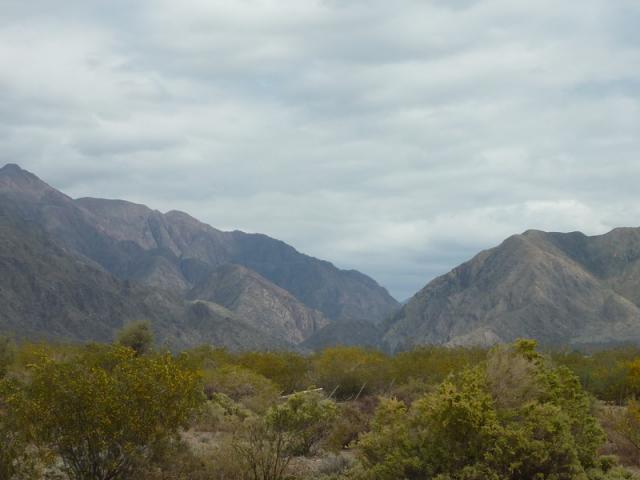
(7, 354)
(136, 335)
(263, 446)
(352, 420)
(241, 385)
(351, 371)
(430, 365)
(18, 459)
(174, 460)
(105, 411)
(306, 417)
(260, 451)
(466, 430)
(288, 370)
(612, 375)
(220, 413)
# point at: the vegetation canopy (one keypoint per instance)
(110, 412)
(105, 409)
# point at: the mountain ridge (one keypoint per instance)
(287, 295)
(554, 287)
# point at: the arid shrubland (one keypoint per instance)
(111, 412)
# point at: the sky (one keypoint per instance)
(397, 138)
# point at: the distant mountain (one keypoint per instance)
(251, 289)
(559, 288)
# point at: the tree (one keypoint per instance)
(105, 410)
(136, 335)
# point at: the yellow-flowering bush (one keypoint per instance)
(105, 410)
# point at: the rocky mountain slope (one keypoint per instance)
(46, 293)
(271, 308)
(339, 294)
(555, 287)
(225, 287)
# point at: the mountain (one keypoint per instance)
(249, 295)
(251, 289)
(559, 288)
(338, 294)
(46, 293)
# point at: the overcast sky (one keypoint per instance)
(395, 137)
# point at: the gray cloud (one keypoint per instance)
(398, 138)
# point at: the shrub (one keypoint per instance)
(105, 410)
(430, 365)
(174, 460)
(220, 413)
(7, 354)
(305, 417)
(138, 336)
(465, 430)
(262, 452)
(350, 371)
(610, 375)
(352, 420)
(18, 459)
(627, 424)
(229, 461)
(288, 370)
(241, 385)
(207, 357)
(264, 446)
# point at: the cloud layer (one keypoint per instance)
(398, 138)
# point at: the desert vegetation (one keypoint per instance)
(130, 410)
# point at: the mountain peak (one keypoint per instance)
(19, 182)
(10, 167)
(14, 170)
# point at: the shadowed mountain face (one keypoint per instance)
(251, 289)
(554, 287)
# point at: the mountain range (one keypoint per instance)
(78, 269)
